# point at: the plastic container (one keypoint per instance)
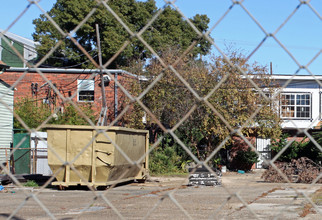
(98, 160)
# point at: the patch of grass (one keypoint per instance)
(31, 183)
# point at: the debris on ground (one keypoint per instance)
(202, 176)
(302, 170)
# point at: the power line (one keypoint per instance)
(61, 58)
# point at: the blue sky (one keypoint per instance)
(301, 35)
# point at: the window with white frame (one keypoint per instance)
(85, 90)
(296, 105)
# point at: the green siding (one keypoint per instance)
(9, 56)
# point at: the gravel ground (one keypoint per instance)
(241, 196)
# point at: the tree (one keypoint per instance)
(235, 99)
(34, 114)
(168, 29)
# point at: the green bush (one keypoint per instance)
(298, 149)
(31, 112)
(165, 160)
(30, 183)
(34, 113)
(244, 160)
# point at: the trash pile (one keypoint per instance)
(202, 176)
(302, 170)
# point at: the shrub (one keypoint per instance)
(165, 160)
(34, 113)
(298, 149)
(30, 183)
(244, 160)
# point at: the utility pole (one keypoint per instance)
(102, 120)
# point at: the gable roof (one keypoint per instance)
(25, 41)
(4, 83)
(3, 66)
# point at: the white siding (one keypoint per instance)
(304, 86)
(6, 119)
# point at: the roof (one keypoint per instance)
(23, 40)
(3, 66)
(296, 77)
(4, 83)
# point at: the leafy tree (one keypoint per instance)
(168, 29)
(30, 112)
(235, 98)
(34, 114)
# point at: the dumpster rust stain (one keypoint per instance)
(154, 192)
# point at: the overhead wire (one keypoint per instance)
(52, 57)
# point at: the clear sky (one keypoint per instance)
(301, 35)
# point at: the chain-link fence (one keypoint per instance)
(241, 195)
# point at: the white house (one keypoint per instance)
(300, 101)
(300, 107)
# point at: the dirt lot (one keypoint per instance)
(242, 196)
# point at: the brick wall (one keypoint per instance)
(67, 85)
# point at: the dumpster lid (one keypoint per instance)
(88, 127)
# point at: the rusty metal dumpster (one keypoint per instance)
(95, 156)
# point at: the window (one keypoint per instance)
(296, 105)
(85, 90)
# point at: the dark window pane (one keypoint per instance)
(86, 96)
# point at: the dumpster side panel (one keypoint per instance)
(80, 147)
(133, 145)
(56, 140)
(104, 156)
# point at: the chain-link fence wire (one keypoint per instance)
(104, 195)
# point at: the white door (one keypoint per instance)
(263, 147)
(39, 159)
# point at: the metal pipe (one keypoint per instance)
(76, 71)
(115, 96)
(104, 123)
(70, 71)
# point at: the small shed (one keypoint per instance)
(6, 119)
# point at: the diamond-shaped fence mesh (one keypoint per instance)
(154, 102)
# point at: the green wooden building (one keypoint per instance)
(26, 47)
